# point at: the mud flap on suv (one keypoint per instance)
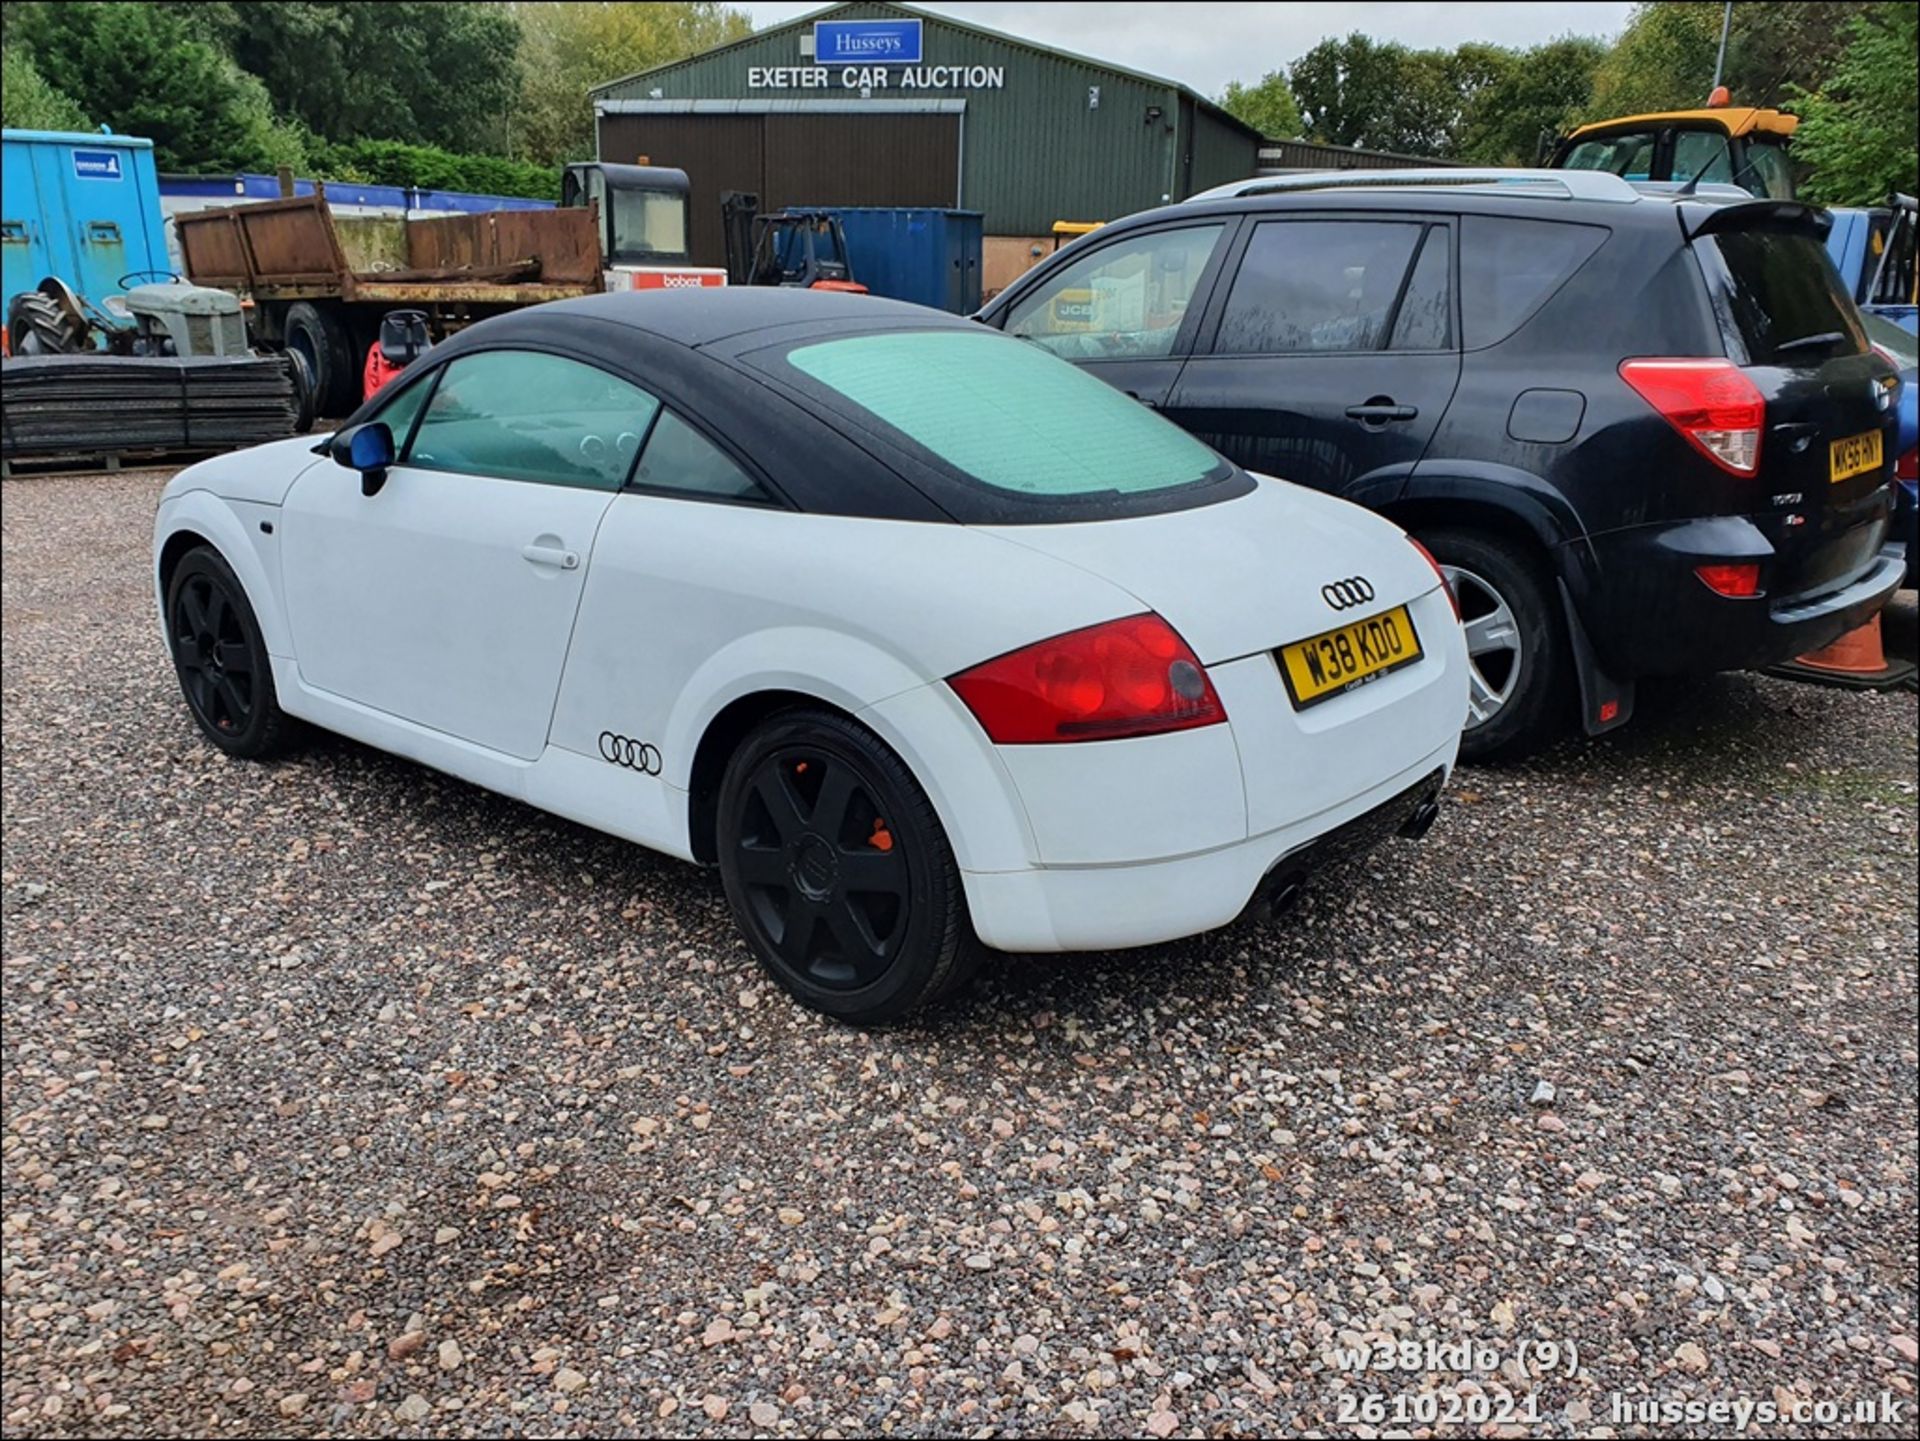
(1605, 703)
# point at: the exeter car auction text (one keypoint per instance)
(875, 77)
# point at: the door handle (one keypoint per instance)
(1379, 412)
(551, 555)
(1144, 400)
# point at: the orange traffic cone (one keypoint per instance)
(1857, 661)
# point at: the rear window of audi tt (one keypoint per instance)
(1006, 414)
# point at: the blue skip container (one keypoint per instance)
(930, 257)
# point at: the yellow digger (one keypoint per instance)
(1722, 144)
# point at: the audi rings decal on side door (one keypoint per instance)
(634, 755)
(1341, 594)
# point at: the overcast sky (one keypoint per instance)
(1205, 45)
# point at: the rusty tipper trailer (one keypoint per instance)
(319, 285)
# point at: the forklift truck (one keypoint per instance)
(795, 246)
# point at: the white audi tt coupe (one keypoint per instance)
(922, 636)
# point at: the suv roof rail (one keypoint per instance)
(1708, 190)
(1542, 184)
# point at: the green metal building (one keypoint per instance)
(878, 104)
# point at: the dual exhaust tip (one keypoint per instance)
(1283, 885)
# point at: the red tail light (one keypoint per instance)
(1445, 584)
(1131, 677)
(1907, 467)
(1739, 581)
(1710, 401)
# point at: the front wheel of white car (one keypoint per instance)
(838, 870)
(221, 658)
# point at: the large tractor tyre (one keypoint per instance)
(304, 396)
(40, 324)
(319, 337)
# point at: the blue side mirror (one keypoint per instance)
(368, 449)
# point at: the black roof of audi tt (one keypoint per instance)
(699, 317)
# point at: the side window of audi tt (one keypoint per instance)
(401, 409)
(1123, 301)
(679, 460)
(524, 415)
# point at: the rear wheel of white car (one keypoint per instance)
(221, 658)
(838, 871)
(1516, 648)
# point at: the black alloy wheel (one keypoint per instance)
(838, 871)
(220, 657)
(824, 875)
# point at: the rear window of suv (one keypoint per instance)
(1007, 414)
(1779, 297)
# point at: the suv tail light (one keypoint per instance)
(1709, 401)
(1907, 467)
(1738, 580)
(1445, 584)
(1131, 677)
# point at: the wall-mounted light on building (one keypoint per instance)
(656, 92)
(1154, 113)
(1093, 97)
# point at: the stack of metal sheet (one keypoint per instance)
(92, 404)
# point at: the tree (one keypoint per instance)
(143, 70)
(1345, 89)
(1542, 92)
(568, 48)
(1777, 51)
(1383, 96)
(390, 162)
(1428, 96)
(1857, 135)
(1268, 106)
(28, 102)
(1663, 60)
(409, 70)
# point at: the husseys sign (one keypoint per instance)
(869, 55)
(866, 42)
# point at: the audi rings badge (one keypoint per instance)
(1343, 594)
(634, 755)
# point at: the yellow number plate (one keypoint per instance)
(1854, 454)
(1324, 666)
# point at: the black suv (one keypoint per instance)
(1643, 433)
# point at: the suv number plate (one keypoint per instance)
(1853, 455)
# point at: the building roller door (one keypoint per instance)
(823, 153)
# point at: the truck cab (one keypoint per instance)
(1722, 144)
(643, 224)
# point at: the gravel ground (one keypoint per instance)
(342, 1097)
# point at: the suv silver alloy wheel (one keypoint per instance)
(1494, 653)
